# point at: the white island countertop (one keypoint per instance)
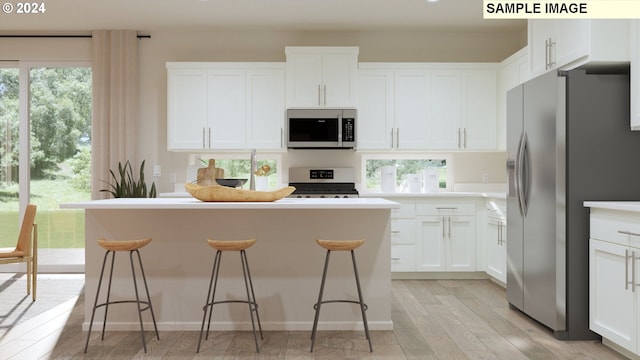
(191, 203)
(614, 205)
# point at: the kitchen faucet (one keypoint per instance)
(252, 171)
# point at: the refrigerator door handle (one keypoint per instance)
(526, 174)
(519, 174)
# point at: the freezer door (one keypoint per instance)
(515, 227)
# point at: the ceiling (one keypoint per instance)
(70, 16)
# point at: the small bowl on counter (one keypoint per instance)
(234, 183)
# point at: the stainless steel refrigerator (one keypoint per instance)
(568, 141)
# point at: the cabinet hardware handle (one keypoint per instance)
(398, 138)
(449, 218)
(446, 208)
(319, 99)
(282, 137)
(464, 134)
(203, 143)
(625, 232)
(633, 271)
(324, 96)
(393, 131)
(626, 269)
(394, 258)
(443, 227)
(395, 231)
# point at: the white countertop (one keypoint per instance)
(614, 205)
(191, 203)
(438, 194)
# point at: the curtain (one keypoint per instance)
(115, 104)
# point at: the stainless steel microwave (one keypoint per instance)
(321, 128)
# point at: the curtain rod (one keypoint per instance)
(61, 36)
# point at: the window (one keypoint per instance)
(405, 165)
(236, 167)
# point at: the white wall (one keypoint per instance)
(166, 46)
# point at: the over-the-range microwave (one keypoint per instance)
(321, 128)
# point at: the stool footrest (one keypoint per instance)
(315, 306)
(255, 306)
(126, 302)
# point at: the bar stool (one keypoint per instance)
(132, 246)
(340, 245)
(222, 246)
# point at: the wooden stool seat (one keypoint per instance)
(231, 245)
(340, 245)
(123, 245)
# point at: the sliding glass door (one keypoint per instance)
(46, 157)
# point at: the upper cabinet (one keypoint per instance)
(635, 75)
(426, 106)
(566, 44)
(225, 106)
(321, 76)
(513, 71)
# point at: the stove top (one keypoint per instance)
(322, 182)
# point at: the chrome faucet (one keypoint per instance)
(254, 168)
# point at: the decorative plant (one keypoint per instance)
(125, 186)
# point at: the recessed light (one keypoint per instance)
(433, 1)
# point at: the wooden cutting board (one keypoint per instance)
(207, 176)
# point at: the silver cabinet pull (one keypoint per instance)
(398, 138)
(393, 130)
(464, 135)
(443, 227)
(324, 95)
(626, 269)
(394, 258)
(626, 232)
(633, 271)
(319, 97)
(449, 218)
(203, 143)
(446, 208)
(282, 137)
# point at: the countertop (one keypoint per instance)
(191, 203)
(614, 205)
(182, 194)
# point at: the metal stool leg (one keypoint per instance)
(95, 302)
(251, 298)
(138, 302)
(106, 303)
(213, 282)
(317, 305)
(362, 305)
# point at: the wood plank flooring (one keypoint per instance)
(433, 319)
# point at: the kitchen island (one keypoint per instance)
(285, 263)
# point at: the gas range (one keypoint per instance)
(322, 182)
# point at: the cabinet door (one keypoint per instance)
(460, 243)
(412, 94)
(186, 109)
(496, 249)
(304, 80)
(611, 306)
(431, 250)
(403, 258)
(445, 129)
(338, 80)
(572, 40)
(540, 31)
(375, 109)
(266, 108)
(480, 112)
(227, 109)
(403, 231)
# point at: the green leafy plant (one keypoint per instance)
(126, 186)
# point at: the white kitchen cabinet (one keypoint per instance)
(321, 76)
(225, 106)
(496, 240)
(463, 109)
(566, 44)
(403, 237)
(446, 237)
(614, 277)
(427, 106)
(376, 124)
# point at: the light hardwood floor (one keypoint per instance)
(433, 319)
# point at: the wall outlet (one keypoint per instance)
(157, 170)
(485, 177)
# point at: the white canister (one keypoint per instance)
(388, 179)
(414, 182)
(430, 181)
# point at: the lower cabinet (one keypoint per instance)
(496, 240)
(446, 243)
(614, 277)
(612, 300)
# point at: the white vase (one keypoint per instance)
(262, 183)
